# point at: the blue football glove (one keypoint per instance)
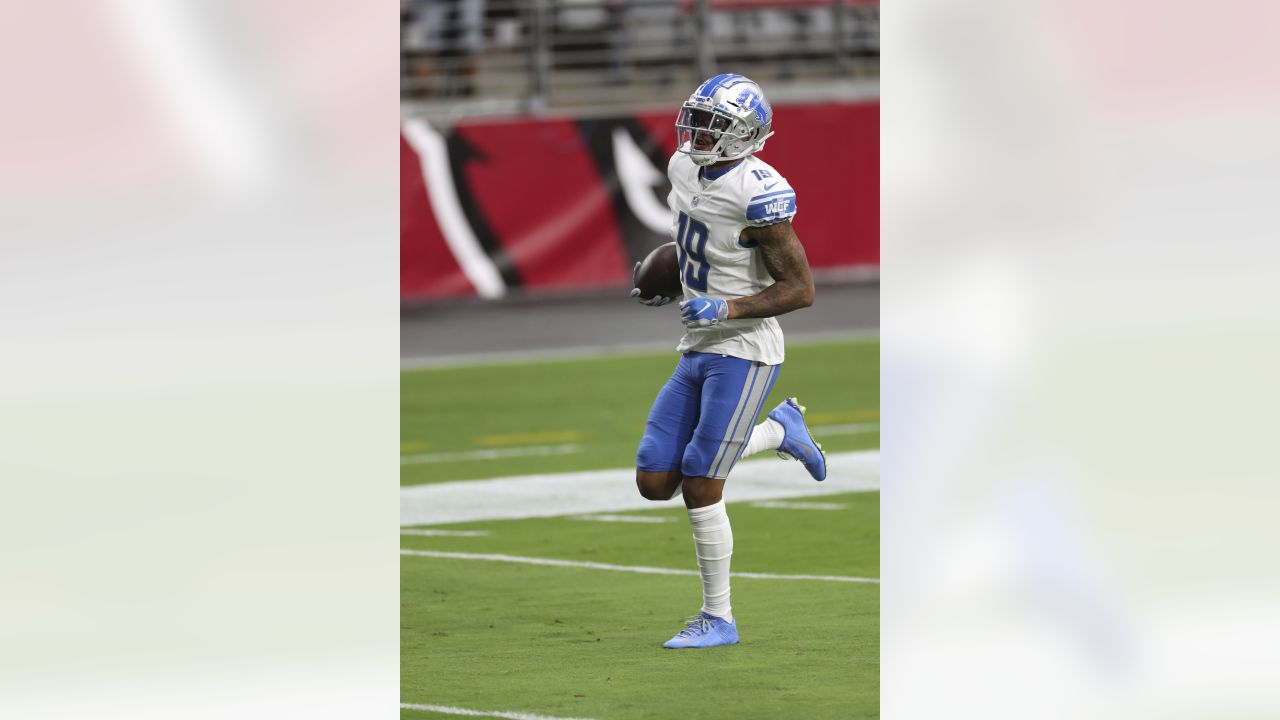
(703, 311)
(656, 301)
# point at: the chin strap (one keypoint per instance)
(755, 148)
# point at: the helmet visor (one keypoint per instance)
(700, 128)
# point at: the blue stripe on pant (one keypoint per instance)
(702, 417)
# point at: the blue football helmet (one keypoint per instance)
(726, 118)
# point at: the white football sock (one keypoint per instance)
(713, 543)
(767, 435)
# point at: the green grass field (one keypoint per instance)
(585, 642)
(601, 405)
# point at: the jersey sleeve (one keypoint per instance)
(772, 200)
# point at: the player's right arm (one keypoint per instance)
(787, 264)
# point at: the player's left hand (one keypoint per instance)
(703, 311)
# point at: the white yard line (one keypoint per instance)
(447, 710)
(644, 570)
(786, 505)
(612, 491)
(595, 352)
(850, 429)
(491, 454)
(625, 518)
(430, 532)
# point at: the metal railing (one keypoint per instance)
(468, 57)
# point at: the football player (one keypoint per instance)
(741, 265)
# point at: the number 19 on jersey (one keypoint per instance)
(691, 238)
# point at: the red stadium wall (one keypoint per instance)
(488, 207)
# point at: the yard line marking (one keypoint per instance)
(830, 417)
(526, 439)
(447, 710)
(783, 505)
(596, 352)
(613, 491)
(625, 518)
(444, 533)
(624, 568)
(491, 453)
(849, 429)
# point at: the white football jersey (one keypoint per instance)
(709, 217)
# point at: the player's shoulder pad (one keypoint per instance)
(768, 197)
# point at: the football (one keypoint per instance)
(659, 274)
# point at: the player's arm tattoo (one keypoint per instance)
(787, 264)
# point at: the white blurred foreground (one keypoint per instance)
(197, 305)
(1079, 350)
(199, 370)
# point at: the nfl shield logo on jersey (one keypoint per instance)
(695, 201)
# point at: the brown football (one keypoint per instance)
(659, 274)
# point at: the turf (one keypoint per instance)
(600, 406)
(587, 643)
(767, 539)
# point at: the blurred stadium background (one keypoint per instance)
(534, 143)
(199, 247)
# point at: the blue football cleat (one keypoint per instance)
(705, 631)
(799, 443)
